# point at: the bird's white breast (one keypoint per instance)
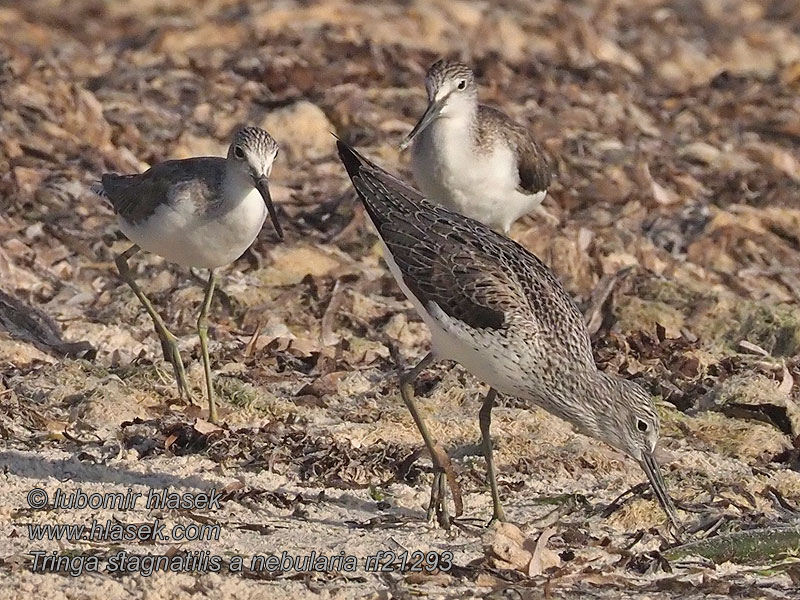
(195, 238)
(481, 183)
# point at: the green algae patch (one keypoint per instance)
(636, 314)
(757, 546)
(773, 327)
(721, 321)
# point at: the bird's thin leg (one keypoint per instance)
(202, 332)
(169, 343)
(441, 461)
(485, 419)
(438, 503)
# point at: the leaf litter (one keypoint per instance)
(676, 190)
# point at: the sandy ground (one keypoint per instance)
(672, 131)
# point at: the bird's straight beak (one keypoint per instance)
(262, 185)
(433, 110)
(653, 472)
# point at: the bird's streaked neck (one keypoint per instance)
(453, 131)
(582, 396)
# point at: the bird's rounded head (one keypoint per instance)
(449, 82)
(253, 152)
(631, 422)
(254, 149)
(625, 417)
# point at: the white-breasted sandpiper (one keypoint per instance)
(472, 158)
(496, 309)
(201, 212)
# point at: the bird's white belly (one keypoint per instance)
(193, 239)
(480, 185)
(483, 355)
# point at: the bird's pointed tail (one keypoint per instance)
(351, 159)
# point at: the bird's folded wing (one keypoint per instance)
(136, 197)
(466, 285)
(534, 173)
(532, 167)
(437, 251)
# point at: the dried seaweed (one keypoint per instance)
(674, 147)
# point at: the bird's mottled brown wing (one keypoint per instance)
(136, 197)
(438, 255)
(534, 172)
(466, 285)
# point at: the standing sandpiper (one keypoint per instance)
(496, 309)
(474, 159)
(199, 212)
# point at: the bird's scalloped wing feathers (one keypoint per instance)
(467, 287)
(436, 253)
(381, 193)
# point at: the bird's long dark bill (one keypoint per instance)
(262, 185)
(653, 472)
(433, 110)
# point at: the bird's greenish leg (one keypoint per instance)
(169, 343)
(443, 469)
(485, 419)
(202, 332)
(438, 504)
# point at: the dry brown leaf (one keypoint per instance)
(787, 382)
(751, 347)
(170, 440)
(204, 427)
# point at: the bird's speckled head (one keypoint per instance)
(449, 78)
(254, 148)
(452, 92)
(628, 421)
(622, 414)
(252, 153)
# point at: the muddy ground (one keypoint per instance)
(672, 130)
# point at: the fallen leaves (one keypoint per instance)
(676, 188)
(506, 547)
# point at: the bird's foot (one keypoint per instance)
(437, 508)
(444, 477)
(497, 517)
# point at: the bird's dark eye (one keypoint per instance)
(238, 152)
(462, 84)
(641, 425)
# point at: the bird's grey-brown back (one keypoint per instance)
(177, 207)
(501, 313)
(198, 181)
(198, 184)
(472, 158)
